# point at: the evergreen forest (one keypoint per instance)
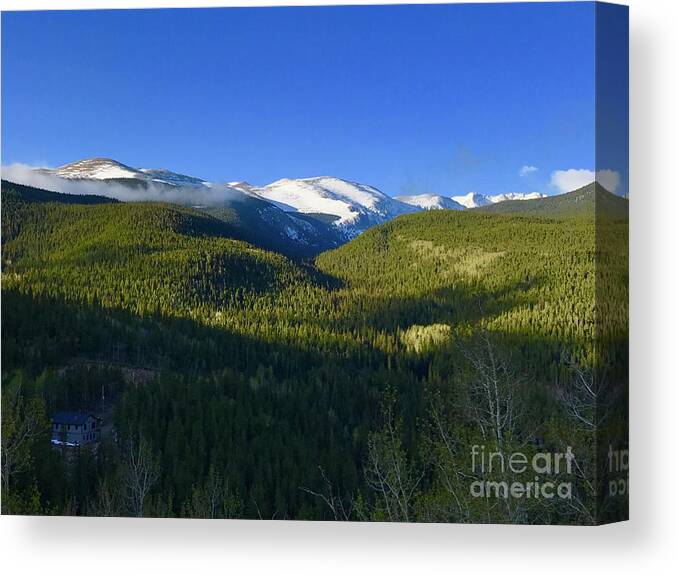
(237, 381)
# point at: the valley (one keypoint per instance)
(281, 374)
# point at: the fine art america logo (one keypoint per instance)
(540, 472)
(618, 469)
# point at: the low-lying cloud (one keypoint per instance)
(527, 170)
(568, 180)
(213, 196)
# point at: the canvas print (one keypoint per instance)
(354, 263)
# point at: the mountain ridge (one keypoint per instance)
(304, 215)
(431, 202)
(592, 199)
(251, 219)
(357, 206)
(104, 169)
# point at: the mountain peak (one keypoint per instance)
(108, 169)
(431, 202)
(243, 185)
(476, 200)
(95, 169)
(357, 206)
(93, 162)
(472, 200)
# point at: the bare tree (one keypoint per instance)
(388, 472)
(492, 392)
(106, 503)
(446, 454)
(581, 397)
(341, 507)
(71, 507)
(487, 404)
(214, 499)
(214, 494)
(496, 410)
(140, 474)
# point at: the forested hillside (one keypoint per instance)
(584, 201)
(253, 385)
(244, 217)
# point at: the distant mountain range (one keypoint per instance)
(470, 200)
(249, 216)
(356, 207)
(348, 208)
(295, 216)
(590, 199)
(431, 202)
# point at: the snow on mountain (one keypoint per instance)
(473, 200)
(357, 206)
(107, 169)
(174, 179)
(95, 169)
(243, 186)
(431, 202)
(515, 196)
(250, 190)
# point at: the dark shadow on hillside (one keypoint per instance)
(461, 303)
(39, 332)
(272, 412)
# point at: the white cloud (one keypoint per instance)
(569, 180)
(527, 170)
(609, 179)
(216, 195)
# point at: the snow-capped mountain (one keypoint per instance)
(474, 200)
(246, 215)
(107, 169)
(515, 196)
(322, 211)
(356, 206)
(431, 202)
(94, 169)
(174, 179)
(348, 207)
(243, 186)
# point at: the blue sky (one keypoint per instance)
(411, 99)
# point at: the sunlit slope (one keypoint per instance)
(527, 275)
(518, 274)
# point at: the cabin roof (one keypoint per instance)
(72, 417)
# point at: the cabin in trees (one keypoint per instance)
(75, 428)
